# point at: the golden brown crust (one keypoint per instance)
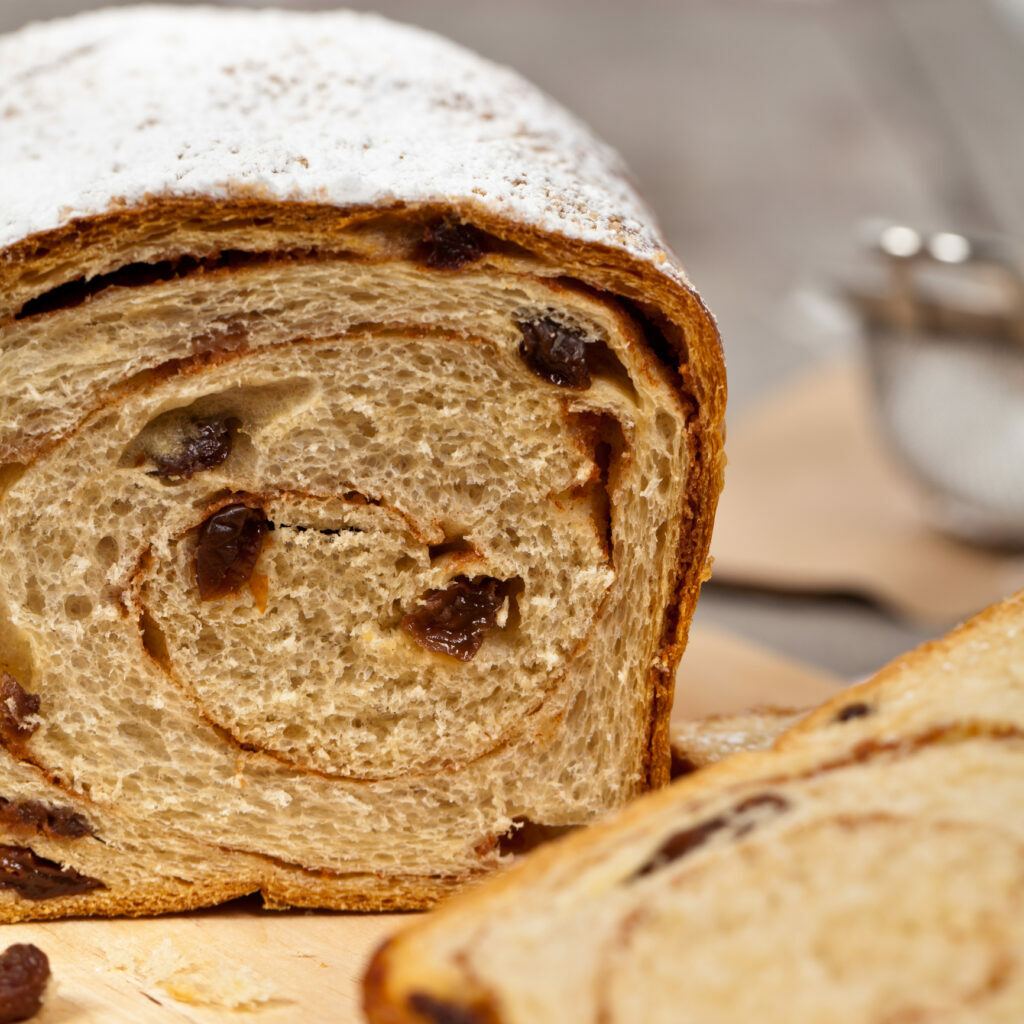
(359, 893)
(480, 1007)
(1006, 614)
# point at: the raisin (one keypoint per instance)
(679, 844)
(206, 444)
(455, 620)
(555, 352)
(857, 710)
(758, 800)
(45, 819)
(229, 546)
(441, 1011)
(35, 878)
(449, 244)
(16, 705)
(737, 820)
(24, 972)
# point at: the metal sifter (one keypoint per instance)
(944, 320)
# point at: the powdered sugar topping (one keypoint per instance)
(336, 107)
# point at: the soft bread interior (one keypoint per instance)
(393, 438)
(852, 895)
(866, 870)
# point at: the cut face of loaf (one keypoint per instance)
(342, 536)
(869, 869)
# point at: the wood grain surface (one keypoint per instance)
(836, 514)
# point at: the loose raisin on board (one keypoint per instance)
(24, 972)
(229, 546)
(555, 352)
(455, 620)
(450, 245)
(35, 878)
(206, 443)
(16, 706)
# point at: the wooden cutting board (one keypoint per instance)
(836, 513)
(242, 963)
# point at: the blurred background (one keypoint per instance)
(769, 137)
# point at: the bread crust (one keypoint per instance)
(1004, 617)
(623, 259)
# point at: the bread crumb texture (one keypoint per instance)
(358, 459)
(867, 869)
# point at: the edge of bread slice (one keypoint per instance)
(700, 742)
(867, 869)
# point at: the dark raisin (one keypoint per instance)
(758, 800)
(441, 1011)
(45, 819)
(16, 706)
(455, 620)
(229, 546)
(24, 972)
(679, 844)
(206, 444)
(555, 352)
(35, 878)
(449, 244)
(737, 821)
(857, 710)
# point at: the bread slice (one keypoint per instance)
(699, 742)
(359, 446)
(867, 870)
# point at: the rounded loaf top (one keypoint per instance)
(117, 106)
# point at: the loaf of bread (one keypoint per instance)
(869, 869)
(699, 742)
(359, 447)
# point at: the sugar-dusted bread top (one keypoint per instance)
(342, 108)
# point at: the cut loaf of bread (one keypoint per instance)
(867, 870)
(359, 446)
